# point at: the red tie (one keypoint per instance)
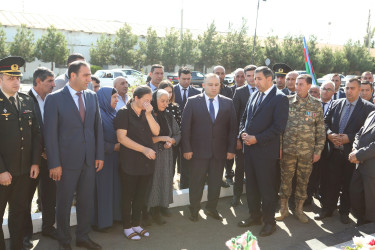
(81, 107)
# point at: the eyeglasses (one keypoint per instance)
(328, 90)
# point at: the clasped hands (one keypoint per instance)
(338, 139)
(248, 139)
(189, 155)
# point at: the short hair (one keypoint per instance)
(42, 73)
(156, 66)
(210, 75)
(184, 70)
(267, 72)
(141, 90)
(292, 72)
(355, 79)
(166, 83)
(329, 82)
(314, 87)
(219, 67)
(238, 70)
(306, 77)
(336, 74)
(366, 72)
(249, 68)
(74, 57)
(74, 67)
(96, 79)
(368, 83)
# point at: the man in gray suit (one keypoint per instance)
(362, 188)
(75, 149)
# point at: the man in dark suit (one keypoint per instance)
(43, 83)
(182, 92)
(262, 124)
(290, 81)
(224, 89)
(339, 92)
(156, 74)
(208, 139)
(20, 149)
(367, 91)
(362, 188)
(240, 99)
(75, 150)
(342, 121)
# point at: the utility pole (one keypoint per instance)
(182, 20)
(255, 33)
(368, 31)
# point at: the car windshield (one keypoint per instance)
(117, 74)
(200, 74)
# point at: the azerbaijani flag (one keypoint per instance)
(309, 67)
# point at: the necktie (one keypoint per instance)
(252, 90)
(13, 102)
(323, 105)
(81, 107)
(184, 98)
(345, 119)
(259, 101)
(292, 93)
(212, 110)
(335, 96)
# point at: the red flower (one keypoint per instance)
(372, 242)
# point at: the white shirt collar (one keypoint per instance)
(36, 93)
(182, 88)
(269, 90)
(72, 91)
(216, 99)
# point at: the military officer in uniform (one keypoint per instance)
(281, 69)
(20, 149)
(302, 143)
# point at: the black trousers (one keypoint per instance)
(262, 186)
(229, 173)
(16, 194)
(202, 169)
(185, 172)
(339, 175)
(317, 180)
(48, 200)
(134, 189)
(239, 173)
(362, 193)
(176, 159)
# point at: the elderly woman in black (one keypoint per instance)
(135, 127)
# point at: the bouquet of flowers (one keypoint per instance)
(246, 241)
(365, 243)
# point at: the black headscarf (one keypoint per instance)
(161, 116)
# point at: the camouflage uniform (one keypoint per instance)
(304, 137)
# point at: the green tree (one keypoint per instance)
(171, 45)
(3, 47)
(52, 47)
(101, 53)
(273, 50)
(188, 49)
(325, 61)
(151, 47)
(209, 48)
(293, 52)
(341, 62)
(23, 44)
(358, 57)
(123, 49)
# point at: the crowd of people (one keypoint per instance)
(116, 155)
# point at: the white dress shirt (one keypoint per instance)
(251, 91)
(40, 102)
(215, 103)
(182, 92)
(75, 96)
(121, 102)
(266, 93)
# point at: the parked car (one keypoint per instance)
(328, 78)
(348, 77)
(134, 77)
(301, 72)
(173, 78)
(197, 78)
(106, 77)
(229, 79)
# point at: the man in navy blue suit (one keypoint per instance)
(263, 121)
(73, 135)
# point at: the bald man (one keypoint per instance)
(121, 85)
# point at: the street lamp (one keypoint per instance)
(255, 33)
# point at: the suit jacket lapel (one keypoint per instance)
(265, 100)
(37, 109)
(220, 111)
(71, 102)
(369, 126)
(203, 102)
(356, 111)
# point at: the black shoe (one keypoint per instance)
(50, 233)
(65, 247)
(361, 222)
(214, 214)
(230, 181)
(165, 212)
(193, 214)
(224, 184)
(27, 242)
(267, 230)
(88, 244)
(344, 218)
(250, 222)
(308, 201)
(322, 215)
(235, 201)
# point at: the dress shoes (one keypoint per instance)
(165, 212)
(50, 233)
(322, 215)
(230, 181)
(224, 184)
(344, 218)
(65, 247)
(267, 230)
(88, 244)
(193, 217)
(27, 242)
(214, 214)
(235, 201)
(250, 222)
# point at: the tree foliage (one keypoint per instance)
(123, 46)
(101, 53)
(3, 47)
(188, 49)
(151, 47)
(209, 46)
(23, 44)
(170, 48)
(52, 47)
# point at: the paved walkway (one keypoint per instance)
(181, 233)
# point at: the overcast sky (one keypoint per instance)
(332, 21)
